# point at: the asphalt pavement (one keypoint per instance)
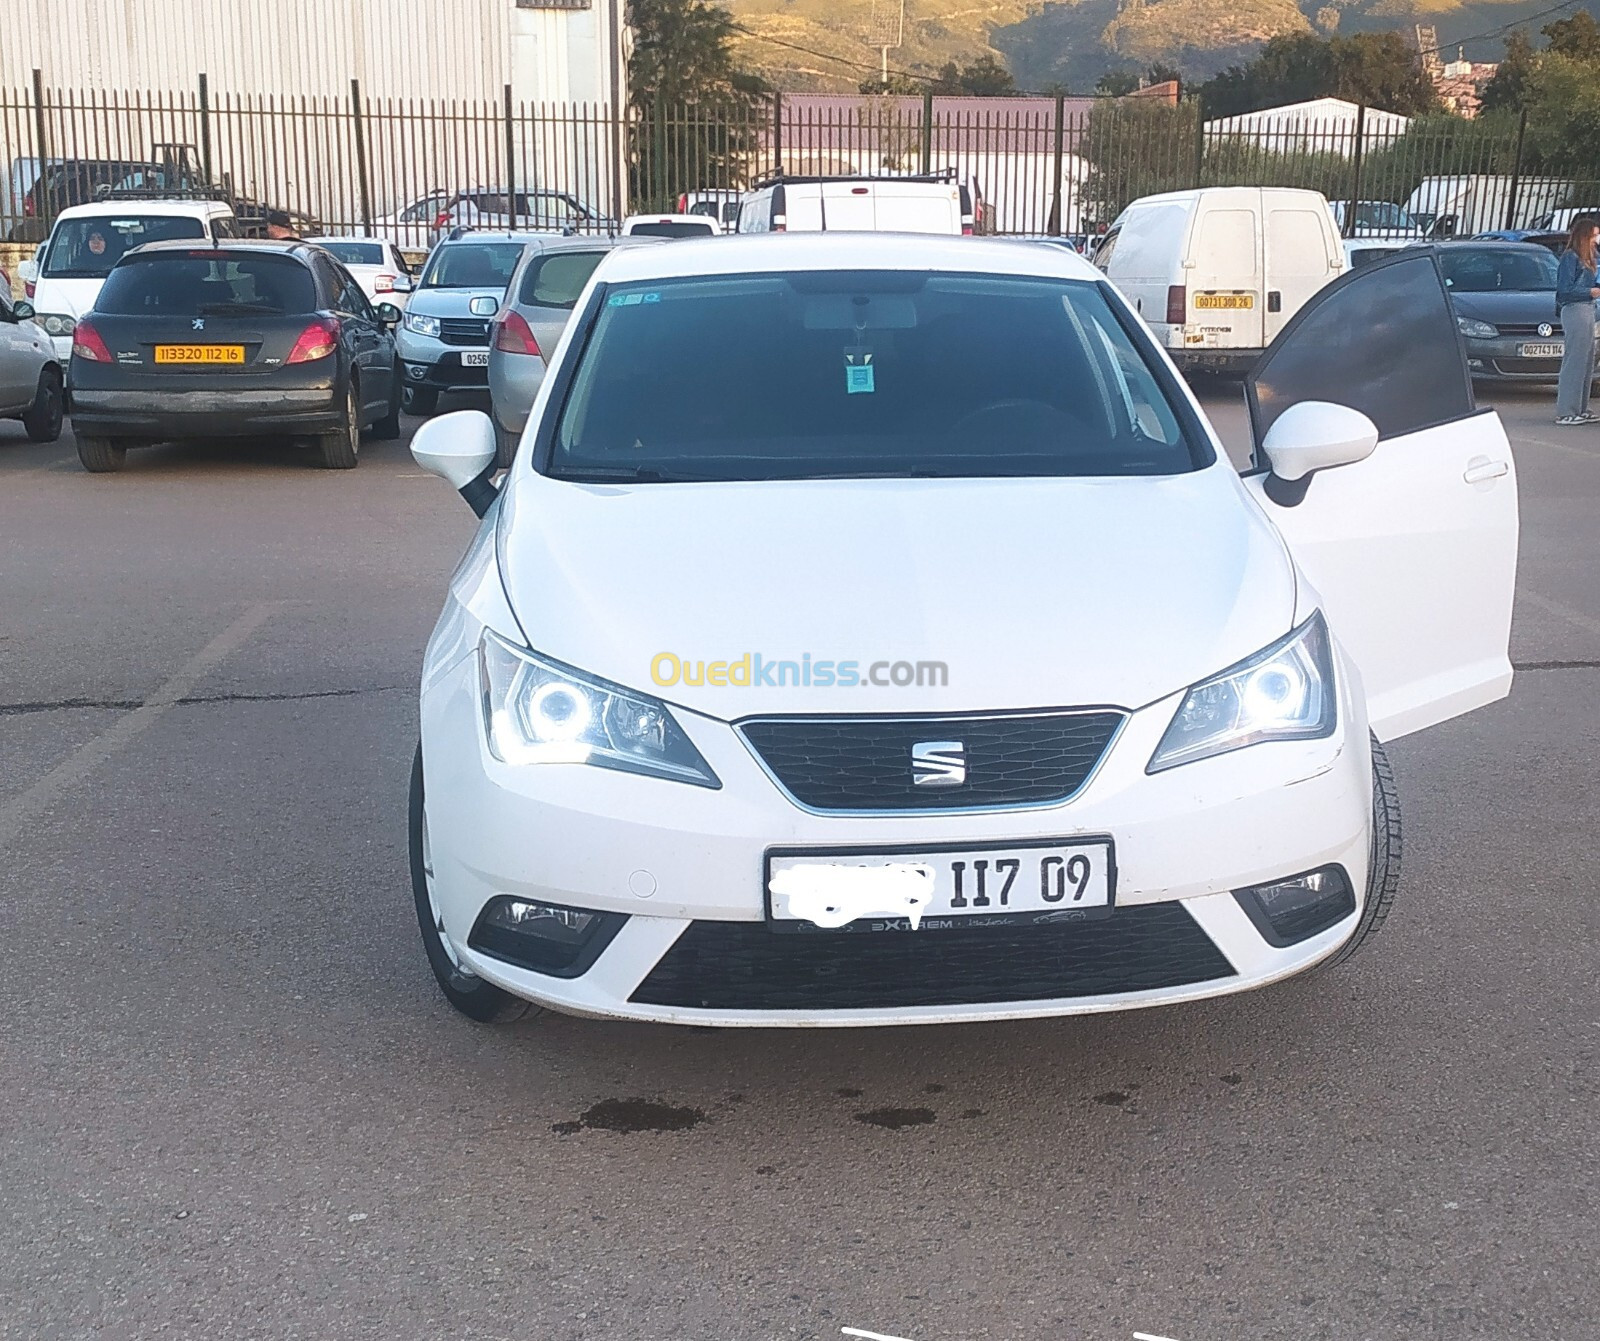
(232, 1103)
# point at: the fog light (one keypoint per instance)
(546, 937)
(1289, 911)
(416, 372)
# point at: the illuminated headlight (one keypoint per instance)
(1285, 692)
(540, 712)
(56, 324)
(418, 324)
(1476, 330)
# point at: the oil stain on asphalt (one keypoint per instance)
(633, 1115)
(896, 1118)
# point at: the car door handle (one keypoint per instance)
(1481, 470)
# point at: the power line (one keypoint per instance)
(1496, 32)
(826, 56)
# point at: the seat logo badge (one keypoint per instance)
(938, 763)
(199, 323)
(1546, 329)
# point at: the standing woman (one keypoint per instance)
(1577, 287)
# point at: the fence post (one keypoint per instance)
(507, 118)
(1355, 172)
(777, 133)
(927, 130)
(1059, 166)
(1516, 172)
(364, 178)
(41, 149)
(1199, 145)
(205, 129)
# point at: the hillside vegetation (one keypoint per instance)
(1070, 44)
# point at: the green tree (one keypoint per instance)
(1577, 38)
(1378, 69)
(694, 108)
(1116, 83)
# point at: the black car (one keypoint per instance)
(239, 339)
(1504, 295)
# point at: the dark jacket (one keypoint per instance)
(1575, 282)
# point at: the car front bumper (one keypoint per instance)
(1499, 359)
(686, 865)
(431, 363)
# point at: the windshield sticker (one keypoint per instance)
(625, 300)
(859, 374)
(652, 298)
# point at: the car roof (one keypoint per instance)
(256, 246)
(1492, 244)
(698, 220)
(496, 235)
(102, 209)
(770, 252)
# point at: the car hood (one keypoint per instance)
(1032, 592)
(450, 302)
(1516, 308)
(67, 297)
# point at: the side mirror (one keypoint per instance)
(483, 307)
(23, 311)
(1311, 436)
(403, 284)
(388, 314)
(460, 449)
(28, 272)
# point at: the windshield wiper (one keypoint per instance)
(602, 474)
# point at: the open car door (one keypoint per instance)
(1414, 549)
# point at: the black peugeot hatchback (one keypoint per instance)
(240, 339)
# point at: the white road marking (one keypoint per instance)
(1574, 617)
(868, 1336)
(1147, 1336)
(15, 813)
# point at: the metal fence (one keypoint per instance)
(1039, 165)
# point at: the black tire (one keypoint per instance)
(505, 448)
(341, 448)
(387, 429)
(471, 995)
(100, 456)
(43, 419)
(1383, 873)
(419, 400)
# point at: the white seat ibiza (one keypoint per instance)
(872, 630)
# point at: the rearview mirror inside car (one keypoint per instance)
(1310, 436)
(459, 448)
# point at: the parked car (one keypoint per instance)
(88, 240)
(376, 263)
(1125, 744)
(1364, 251)
(31, 382)
(908, 203)
(444, 337)
(1219, 272)
(534, 210)
(179, 174)
(723, 206)
(1560, 221)
(670, 225)
(65, 182)
(411, 227)
(539, 300)
(1378, 219)
(1504, 296)
(1555, 243)
(229, 340)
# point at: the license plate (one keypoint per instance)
(475, 358)
(874, 890)
(1540, 351)
(1224, 302)
(199, 353)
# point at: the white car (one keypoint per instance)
(411, 227)
(376, 264)
(1120, 740)
(87, 240)
(670, 225)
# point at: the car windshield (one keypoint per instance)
(1381, 214)
(354, 253)
(471, 265)
(88, 248)
(850, 374)
(1499, 270)
(556, 279)
(198, 284)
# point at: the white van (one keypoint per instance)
(1218, 272)
(934, 203)
(87, 240)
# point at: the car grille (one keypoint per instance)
(1528, 328)
(461, 331)
(747, 966)
(864, 763)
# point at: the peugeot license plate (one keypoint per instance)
(870, 889)
(1550, 351)
(199, 353)
(475, 358)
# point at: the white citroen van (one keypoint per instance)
(1218, 272)
(931, 203)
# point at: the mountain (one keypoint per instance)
(827, 45)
